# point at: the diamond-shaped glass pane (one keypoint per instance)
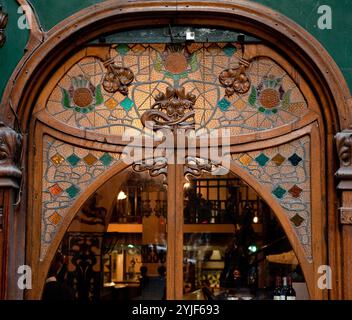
(295, 159)
(55, 218)
(57, 159)
(111, 104)
(72, 191)
(127, 104)
(245, 159)
(229, 50)
(106, 159)
(73, 159)
(55, 190)
(90, 159)
(122, 49)
(297, 220)
(262, 159)
(295, 191)
(224, 104)
(279, 192)
(278, 159)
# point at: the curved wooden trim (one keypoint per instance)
(253, 18)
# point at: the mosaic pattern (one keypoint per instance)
(273, 100)
(67, 171)
(285, 171)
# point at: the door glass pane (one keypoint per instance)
(115, 248)
(234, 247)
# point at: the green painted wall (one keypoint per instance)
(13, 50)
(338, 40)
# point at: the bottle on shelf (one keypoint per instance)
(277, 290)
(290, 293)
(283, 289)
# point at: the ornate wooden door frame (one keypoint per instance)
(307, 54)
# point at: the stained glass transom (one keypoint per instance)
(79, 99)
(67, 171)
(285, 171)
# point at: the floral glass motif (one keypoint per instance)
(79, 99)
(287, 180)
(64, 181)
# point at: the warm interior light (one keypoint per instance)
(255, 219)
(216, 255)
(121, 195)
(187, 185)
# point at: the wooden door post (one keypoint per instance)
(10, 175)
(344, 175)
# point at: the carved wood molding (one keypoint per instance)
(344, 150)
(171, 110)
(236, 80)
(346, 216)
(156, 166)
(3, 24)
(117, 78)
(197, 166)
(10, 153)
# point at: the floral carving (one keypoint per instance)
(236, 79)
(10, 152)
(117, 78)
(3, 24)
(156, 166)
(344, 148)
(173, 109)
(82, 95)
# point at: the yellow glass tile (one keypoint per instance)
(55, 218)
(245, 159)
(57, 159)
(90, 159)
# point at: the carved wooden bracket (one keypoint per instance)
(344, 174)
(3, 24)
(10, 152)
(171, 110)
(156, 167)
(344, 149)
(236, 80)
(117, 78)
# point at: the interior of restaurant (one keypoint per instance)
(233, 245)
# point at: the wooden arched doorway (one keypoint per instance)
(294, 89)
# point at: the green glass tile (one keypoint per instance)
(72, 191)
(297, 220)
(122, 49)
(295, 159)
(73, 159)
(224, 104)
(126, 103)
(106, 159)
(279, 192)
(262, 159)
(229, 50)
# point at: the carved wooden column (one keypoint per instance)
(10, 176)
(344, 175)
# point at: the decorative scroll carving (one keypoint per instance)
(3, 24)
(196, 166)
(117, 78)
(173, 109)
(157, 166)
(10, 152)
(235, 79)
(346, 215)
(344, 149)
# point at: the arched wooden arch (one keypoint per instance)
(50, 50)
